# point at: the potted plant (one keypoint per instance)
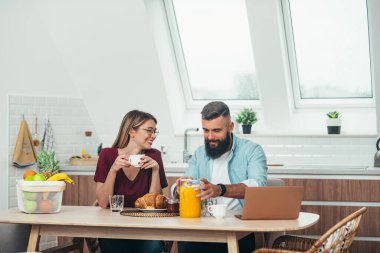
(334, 122)
(247, 117)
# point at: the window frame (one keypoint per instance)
(299, 102)
(181, 65)
(276, 92)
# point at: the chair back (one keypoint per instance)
(339, 238)
(14, 237)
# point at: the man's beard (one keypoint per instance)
(220, 149)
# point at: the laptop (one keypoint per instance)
(272, 203)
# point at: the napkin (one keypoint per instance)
(24, 153)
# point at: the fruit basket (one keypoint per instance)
(40, 196)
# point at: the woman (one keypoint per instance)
(115, 175)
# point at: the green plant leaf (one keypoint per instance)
(46, 162)
(333, 115)
(246, 117)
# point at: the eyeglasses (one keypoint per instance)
(150, 131)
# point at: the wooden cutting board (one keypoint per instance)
(84, 162)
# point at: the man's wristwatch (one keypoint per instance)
(222, 189)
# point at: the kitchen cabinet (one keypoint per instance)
(82, 193)
(334, 199)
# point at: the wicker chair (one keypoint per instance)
(339, 238)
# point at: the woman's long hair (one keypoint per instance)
(131, 120)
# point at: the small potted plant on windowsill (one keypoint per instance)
(334, 122)
(246, 118)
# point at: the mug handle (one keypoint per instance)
(209, 209)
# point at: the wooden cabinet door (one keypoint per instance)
(70, 194)
(82, 193)
(87, 190)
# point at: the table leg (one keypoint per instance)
(174, 247)
(232, 242)
(34, 238)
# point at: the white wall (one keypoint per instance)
(374, 21)
(102, 51)
(29, 64)
(108, 50)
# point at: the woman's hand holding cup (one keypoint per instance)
(120, 162)
(147, 162)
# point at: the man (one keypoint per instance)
(226, 165)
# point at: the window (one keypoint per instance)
(213, 49)
(329, 49)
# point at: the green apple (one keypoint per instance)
(39, 177)
(29, 178)
(30, 195)
(30, 205)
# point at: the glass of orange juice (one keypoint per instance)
(189, 204)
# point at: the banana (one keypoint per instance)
(61, 176)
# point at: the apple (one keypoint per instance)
(30, 195)
(29, 178)
(30, 205)
(39, 177)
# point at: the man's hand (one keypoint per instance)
(209, 190)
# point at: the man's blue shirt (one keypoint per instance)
(247, 164)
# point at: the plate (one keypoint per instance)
(152, 210)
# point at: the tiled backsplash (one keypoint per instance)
(294, 150)
(69, 119)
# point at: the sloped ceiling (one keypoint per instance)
(108, 49)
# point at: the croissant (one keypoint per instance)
(151, 201)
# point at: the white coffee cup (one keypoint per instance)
(135, 159)
(218, 211)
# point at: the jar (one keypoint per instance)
(189, 203)
(173, 206)
(88, 146)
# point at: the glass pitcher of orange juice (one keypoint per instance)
(189, 204)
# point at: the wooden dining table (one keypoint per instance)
(89, 221)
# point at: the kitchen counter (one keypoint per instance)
(77, 170)
(286, 171)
